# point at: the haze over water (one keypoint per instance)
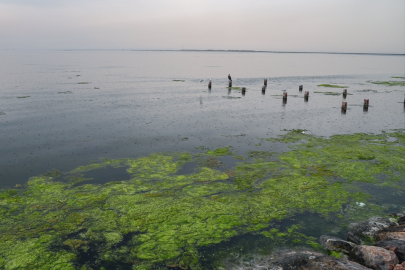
(61, 109)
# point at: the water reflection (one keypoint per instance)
(284, 101)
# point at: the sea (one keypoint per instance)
(63, 109)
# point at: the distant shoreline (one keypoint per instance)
(225, 51)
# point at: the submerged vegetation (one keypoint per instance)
(329, 93)
(161, 217)
(332, 85)
(389, 83)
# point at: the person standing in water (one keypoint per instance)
(229, 77)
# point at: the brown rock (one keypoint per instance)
(398, 246)
(400, 266)
(374, 257)
(396, 232)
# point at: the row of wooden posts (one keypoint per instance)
(306, 93)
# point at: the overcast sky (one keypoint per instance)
(365, 26)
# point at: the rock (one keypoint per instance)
(398, 246)
(360, 231)
(374, 257)
(397, 232)
(400, 266)
(312, 261)
(336, 244)
(401, 220)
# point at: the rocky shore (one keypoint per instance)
(377, 243)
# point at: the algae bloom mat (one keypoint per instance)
(173, 206)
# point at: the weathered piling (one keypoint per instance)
(265, 82)
(344, 93)
(306, 94)
(344, 104)
(300, 87)
(306, 98)
(366, 102)
(209, 84)
(343, 111)
(243, 90)
(230, 83)
(263, 89)
(285, 95)
(284, 101)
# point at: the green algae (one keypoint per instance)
(331, 85)
(328, 93)
(178, 80)
(159, 216)
(389, 83)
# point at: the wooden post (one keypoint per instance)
(306, 98)
(230, 83)
(300, 88)
(306, 94)
(209, 84)
(243, 90)
(284, 95)
(344, 104)
(265, 82)
(366, 102)
(344, 93)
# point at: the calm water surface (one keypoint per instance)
(66, 108)
(59, 110)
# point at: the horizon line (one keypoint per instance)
(207, 50)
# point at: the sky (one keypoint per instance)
(349, 26)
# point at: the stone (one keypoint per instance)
(336, 244)
(312, 261)
(398, 246)
(367, 229)
(397, 232)
(401, 220)
(400, 266)
(374, 257)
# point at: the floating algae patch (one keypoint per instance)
(398, 78)
(389, 83)
(367, 91)
(158, 215)
(332, 85)
(179, 80)
(329, 93)
(83, 82)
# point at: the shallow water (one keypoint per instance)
(130, 106)
(60, 110)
